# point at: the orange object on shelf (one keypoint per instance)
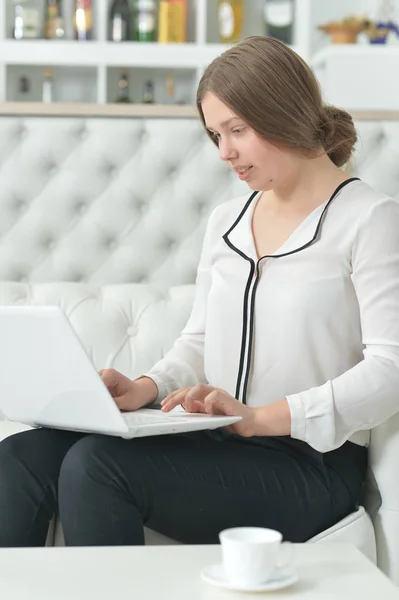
(172, 21)
(345, 31)
(231, 20)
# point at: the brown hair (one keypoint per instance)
(273, 90)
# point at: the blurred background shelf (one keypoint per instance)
(359, 76)
(93, 53)
(358, 51)
(90, 71)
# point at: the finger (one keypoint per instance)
(189, 405)
(168, 403)
(199, 391)
(171, 398)
(121, 402)
(193, 406)
(109, 379)
(173, 394)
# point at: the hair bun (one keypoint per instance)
(337, 134)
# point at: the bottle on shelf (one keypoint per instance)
(120, 21)
(53, 24)
(171, 95)
(145, 20)
(27, 21)
(231, 20)
(279, 19)
(172, 21)
(47, 91)
(83, 19)
(123, 89)
(170, 89)
(24, 84)
(148, 93)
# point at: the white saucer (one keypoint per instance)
(215, 575)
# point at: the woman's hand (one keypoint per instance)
(127, 394)
(203, 398)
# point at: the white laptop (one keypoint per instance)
(47, 380)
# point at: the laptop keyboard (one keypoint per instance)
(135, 419)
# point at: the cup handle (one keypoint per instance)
(286, 549)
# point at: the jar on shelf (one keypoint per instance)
(172, 21)
(148, 93)
(279, 19)
(120, 21)
(54, 26)
(83, 19)
(27, 19)
(145, 20)
(231, 20)
(47, 90)
(123, 96)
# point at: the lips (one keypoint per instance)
(243, 172)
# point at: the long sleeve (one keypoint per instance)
(367, 394)
(183, 365)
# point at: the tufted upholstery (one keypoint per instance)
(105, 217)
(125, 200)
(128, 327)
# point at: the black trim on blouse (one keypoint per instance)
(250, 291)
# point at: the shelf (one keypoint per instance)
(81, 109)
(355, 76)
(363, 51)
(102, 59)
(140, 54)
(359, 76)
(109, 54)
(71, 84)
(64, 109)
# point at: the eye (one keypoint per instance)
(238, 130)
(215, 135)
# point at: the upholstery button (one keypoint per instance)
(168, 244)
(22, 133)
(49, 244)
(80, 207)
(201, 208)
(19, 205)
(132, 330)
(83, 133)
(111, 244)
(51, 169)
(142, 207)
(110, 170)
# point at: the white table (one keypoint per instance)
(326, 571)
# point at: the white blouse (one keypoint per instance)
(317, 322)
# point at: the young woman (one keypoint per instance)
(294, 327)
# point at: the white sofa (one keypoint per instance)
(105, 217)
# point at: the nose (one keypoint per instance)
(226, 150)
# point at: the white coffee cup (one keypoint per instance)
(252, 555)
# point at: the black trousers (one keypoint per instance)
(187, 486)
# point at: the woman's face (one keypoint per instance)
(260, 164)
